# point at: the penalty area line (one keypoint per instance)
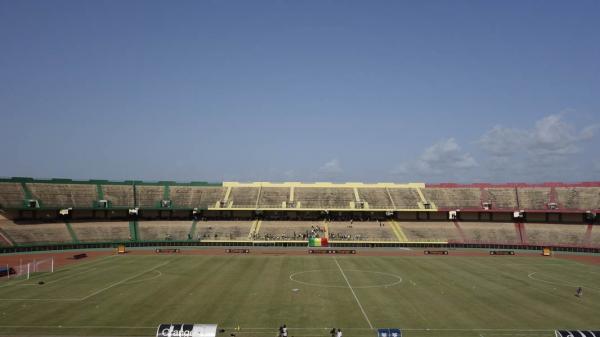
(123, 281)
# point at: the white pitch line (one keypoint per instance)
(563, 284)
(271, 328)
(353, 293)
(41, 299)
(122, 281)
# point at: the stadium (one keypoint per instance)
(314, 168)
(105, 258)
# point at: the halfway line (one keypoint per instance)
(353, 293)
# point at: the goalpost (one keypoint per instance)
(26, 270)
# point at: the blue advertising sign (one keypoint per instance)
(389, 332)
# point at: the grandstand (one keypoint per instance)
(452, 198)
(501, 198)
(35, 233)
(360, 231)
(244, 197)
(324, 198)
(118, 195)
(165, 230)
(287, 230)
(491, 232)
(376, 198)
(107, 231)
(553, 234)
(404, 198)
(273, 197)
(578, 197)
(188, 197)
(223, 230)
(534, 198)
(430, 231)
(61, 211)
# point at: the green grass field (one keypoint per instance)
(424, 295)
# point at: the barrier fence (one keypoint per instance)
(341, 244)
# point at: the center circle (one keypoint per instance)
(385, 279)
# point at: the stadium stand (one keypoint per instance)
(586, 198)
(102, 231)
(489, 232)
(555, 234)
(273, 197)
(534, 198)
(34, 233)
(119, 195)
(149, 196)
(405, 197)
(288, 230)
(11, 194)
(64, 195)
(502, 198)
(377, 198)
(164, 230)
(360, 230)
(453, 197)
(244, 197)
(223, 230)
(430, 231)
(595, 237)
(195, 196)
(310, 197)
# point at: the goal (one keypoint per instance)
(27, 270)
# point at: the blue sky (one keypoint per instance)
(436, 91)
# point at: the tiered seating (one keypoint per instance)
(502, 197)
(64, 195)
(287, 230)
(244, 197)
(360, 230)
(36, 233)
(490, 232)
(430, 231)
(273, 197)
(149, 196)
(310, 197)
(454, 197)
(164, 230)
(192, 196)
(223, 230)
(533, 198)
(595, 238)
(101, 231)
(376, 197)
(586, 198)
(555, 234)
(405, 197)
(11, 195)
(118, 195)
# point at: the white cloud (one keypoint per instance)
(551, 137)
(444, 157)
(544, 151)
(331, 167)
(550, 149)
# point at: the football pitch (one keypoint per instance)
(442, 296)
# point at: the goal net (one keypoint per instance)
(29, 269)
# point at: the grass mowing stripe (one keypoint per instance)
(57, 272)
(353, 293)
(124, 280)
